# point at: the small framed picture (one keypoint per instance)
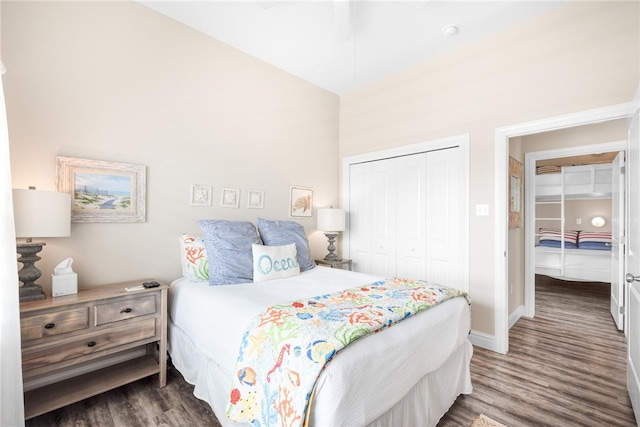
(255, 199)
(515, 193)
(300, 202)
(200, 195)
(230, 198)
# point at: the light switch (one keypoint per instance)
(482, 210)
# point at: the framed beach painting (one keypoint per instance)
(102, 191)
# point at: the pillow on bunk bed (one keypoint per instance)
(598, 240)
(552, 238)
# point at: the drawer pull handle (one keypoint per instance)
(126, 310)
(91, 344)
(50, 326)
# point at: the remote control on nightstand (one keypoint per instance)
(151, 284)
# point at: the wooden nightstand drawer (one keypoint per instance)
(55, 323)
(125, 309)
(43, 355)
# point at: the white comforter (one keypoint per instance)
(360, 383)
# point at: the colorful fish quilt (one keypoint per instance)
(284, 349)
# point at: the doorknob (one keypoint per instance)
(630, 278)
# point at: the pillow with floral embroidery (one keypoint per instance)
(193, 255)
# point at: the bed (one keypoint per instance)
(408, 374)
(586, 255)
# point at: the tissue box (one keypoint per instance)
(64, 284)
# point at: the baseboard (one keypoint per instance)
(483, 340)
(516, 315)
(487, 341)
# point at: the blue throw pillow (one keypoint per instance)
(278, 233)
(228, 245)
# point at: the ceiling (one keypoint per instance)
(343, 45)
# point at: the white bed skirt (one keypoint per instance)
(423, 405)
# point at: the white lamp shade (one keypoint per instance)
(41, 213)
(330, 219)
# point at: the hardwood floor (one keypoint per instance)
(139, 404)
(566, 367)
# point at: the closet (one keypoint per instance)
(568, 245)
(405, 216)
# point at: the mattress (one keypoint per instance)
(372, 378)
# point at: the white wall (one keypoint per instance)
(582, 56)
(584, 210)
(116, 81)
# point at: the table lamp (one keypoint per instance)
(331, 221)
(37, 214)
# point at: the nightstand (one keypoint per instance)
(336, 264)
(77, 346)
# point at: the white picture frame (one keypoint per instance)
(255, 199)
(103, 191)
(230, 198)
(300, 202)
(200, 195)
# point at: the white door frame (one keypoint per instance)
(530, 202)
(461, 141)
(502, 135)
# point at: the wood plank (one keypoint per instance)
(144, 404)
(57, 395)
(565, 367)
(96, 293)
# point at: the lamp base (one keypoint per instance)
(331, 256)
(29, 273)
(31, 293)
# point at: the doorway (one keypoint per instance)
(502, 136)
(580, 262)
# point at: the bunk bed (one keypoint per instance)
(574, 255)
